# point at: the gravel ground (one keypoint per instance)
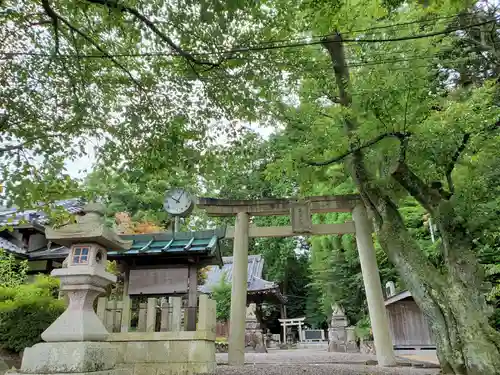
(313, 362)
(320, 369)
(310, 356)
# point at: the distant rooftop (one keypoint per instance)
(257, 286)
(10, 247)
(14, 216)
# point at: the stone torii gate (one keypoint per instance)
(300, 212)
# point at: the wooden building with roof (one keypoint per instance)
(408, 325)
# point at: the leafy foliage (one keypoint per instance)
(221, 293)
(125, 225)
(363, 329)
(26, 311)
(12, 272)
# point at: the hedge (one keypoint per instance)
(26, 311)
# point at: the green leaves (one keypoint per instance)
(12, 272)
(221, 293)
(35, 304)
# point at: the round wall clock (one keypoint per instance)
(178, 202)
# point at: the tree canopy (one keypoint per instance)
(396, 101)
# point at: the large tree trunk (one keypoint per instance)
(457, 311)
(467, 342)
(451, 296)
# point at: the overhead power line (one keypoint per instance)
(256, 47)
(414, 22)
(394, 25)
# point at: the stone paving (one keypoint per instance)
(419, 355)
(314, 362)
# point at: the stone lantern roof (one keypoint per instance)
(89, 227)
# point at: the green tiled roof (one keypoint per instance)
(164, 246)
(203, 243)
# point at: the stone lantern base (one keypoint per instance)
(69, 357)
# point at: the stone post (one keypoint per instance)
(125, 269)
(192, 297)
(236, 355)
(373, 287)
(284, 333)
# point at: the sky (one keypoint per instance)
(79, 168)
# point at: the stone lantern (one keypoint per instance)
(75, 341)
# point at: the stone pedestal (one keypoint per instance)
(254, 338)
(79, 322)
(69, 357)
(341, 337)
(351, 346)
(3, 367)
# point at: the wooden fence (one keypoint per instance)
(222, 329)
(155, 315)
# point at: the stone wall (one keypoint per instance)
(162, 353)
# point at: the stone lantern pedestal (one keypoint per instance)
(341, 337)
(79, 322)
(254, 338)
(75, 342)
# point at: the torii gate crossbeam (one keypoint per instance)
(300, 212)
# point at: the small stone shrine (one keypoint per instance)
(341, 337)
(74, 343)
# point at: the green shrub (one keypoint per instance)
(12, 272)
(26, 311)
(363, 329)
(221, 293)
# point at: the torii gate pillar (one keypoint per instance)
(373, 288)
(236, 354)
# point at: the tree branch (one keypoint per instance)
(378, 117)
(12, 147)
(39, 23)
(402, 149)
(427, 196)
(21, 146)
(406, 109)
(336, 159)
(114, 4)
(453, 161)
(52, 14)
(326, 115)
(55, 23)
